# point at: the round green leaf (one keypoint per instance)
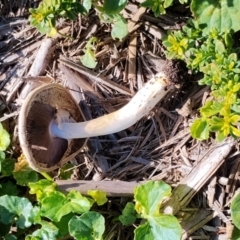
(4, 138)
(13, 207)
(143, 232)
(47, 231)
(235, 210)
(114, 6)
(25, 176)
(120, 28)
(149, 196)
(165, 227)
(221, 15)
(9, 188)
(7, 166)
(89, 226)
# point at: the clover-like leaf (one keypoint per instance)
(52, 206)
(148, 197)
(89, 226)
(221, 15)
(56, 204)
(17, 208)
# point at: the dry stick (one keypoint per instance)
(112, 188)
(199, 175)
(132, 53)
(181, 195)
(42, 58)
(196, 221)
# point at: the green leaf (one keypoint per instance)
(167, 3)
(88, 59)
(47, 231)
(87, 4)
(21, 209)
(129, 214)
(114, 6)
(25, 176)
(156, 6)
(62, 226)
(42, 188)
(200, 129)
(219, 46)
(56, 205)
(149, 196)
(7, 166)
(162, 227)
(10, 237)
(89, 226)
(98, 196)
(221, 15)
(235, 210)
(52, 206)
(9, 188)
(4, 138)
(4, 229)
(211, 108)
(120, 28)
(165, 227)
(235, 234)
(143, 232)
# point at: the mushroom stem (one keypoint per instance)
(141, 103)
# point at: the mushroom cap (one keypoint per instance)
(43, 152)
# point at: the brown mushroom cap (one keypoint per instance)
(42, 151)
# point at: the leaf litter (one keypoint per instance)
(159, 146)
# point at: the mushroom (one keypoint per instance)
(52, 126)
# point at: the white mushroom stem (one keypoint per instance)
(141, 103)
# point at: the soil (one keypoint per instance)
(159, 146)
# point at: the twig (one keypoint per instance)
(112, 188)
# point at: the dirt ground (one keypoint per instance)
(203, 174)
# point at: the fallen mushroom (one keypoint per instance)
(46, 121)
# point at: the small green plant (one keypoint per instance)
(155, 225)
(159, 6)
(221, 15)
(45, 17)
(88, 59)
(55, 215)
(49, 11)
(213, 53)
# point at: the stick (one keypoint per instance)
(112, 188)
